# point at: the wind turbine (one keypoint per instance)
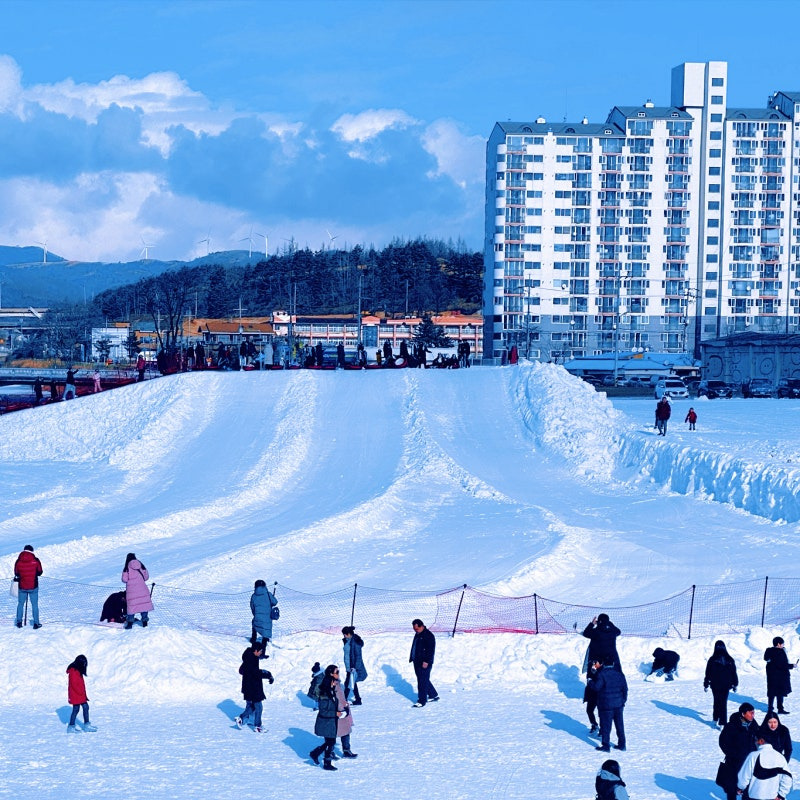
(330, 238)
(249, 238)
(146, 250)
(43, 245)
(207, 242)
(265, 237)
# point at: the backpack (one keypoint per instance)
(274, 612)
(316, 684)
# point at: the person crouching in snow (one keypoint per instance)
(76, 694)
(608, 784)
(691, 418)
(665, 662)
(253, 686)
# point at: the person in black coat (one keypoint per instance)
(775, 733)
(612, 694)
(422, 651)
(665, 662)
(779, 682)
(602, 634)
(253, 685)
(721, 677)
(737, 740)
(590, 698)
(328, 713)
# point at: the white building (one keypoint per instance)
(117, 336)
(656, 229)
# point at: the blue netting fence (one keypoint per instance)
(698, 610)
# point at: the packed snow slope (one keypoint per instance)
(516, 480)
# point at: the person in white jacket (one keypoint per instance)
(764, 774)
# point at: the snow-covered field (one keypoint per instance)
(515, 480)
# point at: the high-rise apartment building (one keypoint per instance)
(661, 227)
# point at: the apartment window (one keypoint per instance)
(713, 188)
(563, 212)
(563, 159)
(713, 223)
(716, 136)
(715, 153)
(716, 117)
(714, 171)
(538, 176)
(712, 239)
(711, 276)
(712, 258)
(716, 99)
(711, 292)
(534, 212)
(562, 195)
(533, 193)
(538, 159)
(709, 311)
(713, 205)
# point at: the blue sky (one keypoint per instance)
(164, 122)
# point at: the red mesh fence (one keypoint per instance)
(699, 610)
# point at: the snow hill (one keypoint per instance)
(515, 480)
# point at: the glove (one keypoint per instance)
(705, 688)
(268, 675)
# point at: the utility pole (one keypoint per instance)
(360, 278)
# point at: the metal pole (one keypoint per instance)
(353, 608)
(691, 612)
(458, 610)
(360, 277)
(536, 611)
(764, 602)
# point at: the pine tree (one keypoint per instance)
(431, 335)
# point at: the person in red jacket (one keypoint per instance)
(76, 694)
(27, 570)
(691, 418)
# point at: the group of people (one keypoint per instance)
(756, 757)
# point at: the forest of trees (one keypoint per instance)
(406, 277)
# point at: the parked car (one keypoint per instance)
(714, 389)
(757, 387)
(671, 387)
(789, 387)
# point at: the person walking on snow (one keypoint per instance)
(764, 775)
(423, 648)
(253, 685)
(663, 413)
(262, 602)
(344, 724)
(70, 392)
(691, 418)
(27, 569)
(328, 715)
(140, 367)
(608, 785)
(96, 378)
(722, 678)
(779, 681)
(612, 694)
(353, 662)
(76, 694)
(137, 595)
(737, 740)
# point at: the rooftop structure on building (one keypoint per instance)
(662, 227)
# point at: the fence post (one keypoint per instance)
(691, 612)
(353, 607)
(458, 610)
(536, 611)
(764, 602)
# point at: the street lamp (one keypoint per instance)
(616, 351)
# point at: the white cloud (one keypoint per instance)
(10, 85)
(458, 156)
(370, 123)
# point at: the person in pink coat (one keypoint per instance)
(137, 595)
(344, 724)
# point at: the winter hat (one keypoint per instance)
(602, 617)
(745, 707)
(258, 583)
(611, 766)
(316, 668)
(29, 548)
(720, 645)
(776, 641)
(658, 651)
(348, 629)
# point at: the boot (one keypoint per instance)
(316, 753)
(349, 754)
(128, 626)
(327, 765)
(144, 623)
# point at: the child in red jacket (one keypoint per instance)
(691, 418)
(76, 694)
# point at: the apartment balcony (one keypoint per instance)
(677, 201)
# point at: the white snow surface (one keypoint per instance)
(513, 480)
